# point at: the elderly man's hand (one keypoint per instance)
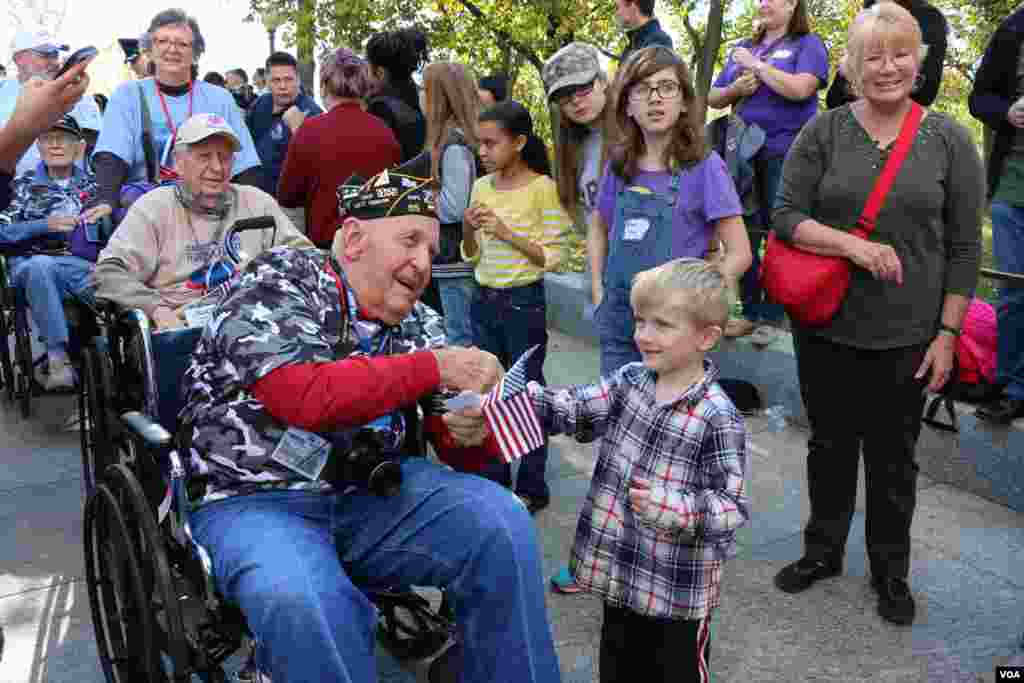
(469, 369)
(61, 223)
(468, 427)
(166, 318)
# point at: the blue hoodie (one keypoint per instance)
(272, 135)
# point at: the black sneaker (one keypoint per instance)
(895, 603)
(801, 575)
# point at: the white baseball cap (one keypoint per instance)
(201, 126)
(37, 41)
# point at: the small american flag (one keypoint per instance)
(510, 413)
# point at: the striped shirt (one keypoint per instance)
(533, 212)
(667, 562)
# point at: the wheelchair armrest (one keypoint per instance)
(152, 434)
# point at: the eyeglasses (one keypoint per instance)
(667, 90)
(57, 138)
(575, 92)
(167, 43)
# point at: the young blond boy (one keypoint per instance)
(669, 488)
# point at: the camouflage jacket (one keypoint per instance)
(35, 197)
(285, 310)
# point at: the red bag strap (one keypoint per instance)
(892, 167)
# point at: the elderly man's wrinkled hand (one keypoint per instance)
(471, 369)
(468, 426)
(61, 223)
(166, 318)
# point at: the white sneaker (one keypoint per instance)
(62, 375)
(764, 335)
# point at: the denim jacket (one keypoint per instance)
(35, 196)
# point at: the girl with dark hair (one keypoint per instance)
(394, 56)
(513, 232)
(771, 80)
(663, 195)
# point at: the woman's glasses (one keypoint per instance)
(167, 43)
(667, 90)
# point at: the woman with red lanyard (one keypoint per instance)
(160, 104)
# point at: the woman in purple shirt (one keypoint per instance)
(772, 81)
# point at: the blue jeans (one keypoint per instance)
(1008, 249)
(615, 329)
(456, 298)
(47, 281)
(756, 305)
(507, 322)
(291, 561)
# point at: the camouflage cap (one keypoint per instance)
(574, 64)
(402, 191)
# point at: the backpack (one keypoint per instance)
(974, 366)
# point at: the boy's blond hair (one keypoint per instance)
(696, 287)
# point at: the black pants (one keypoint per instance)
(638, 648)
(861, 398)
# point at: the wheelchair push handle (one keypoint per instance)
(233, 247)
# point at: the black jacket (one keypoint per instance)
(995, 89)
(399, 107)
(934, 29)
(647, 35)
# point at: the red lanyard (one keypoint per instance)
(167, 113)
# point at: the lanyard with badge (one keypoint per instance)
(166, 172)
(306, 453)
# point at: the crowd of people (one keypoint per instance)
(414, 226)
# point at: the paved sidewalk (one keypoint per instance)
(968, 570)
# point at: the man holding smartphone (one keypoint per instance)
(37, 55)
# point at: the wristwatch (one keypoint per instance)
(951, 331)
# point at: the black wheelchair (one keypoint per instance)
(156, 612)
(18, 366)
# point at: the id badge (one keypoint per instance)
(304, 453)
(635, 229)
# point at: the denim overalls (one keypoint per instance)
(640, 239)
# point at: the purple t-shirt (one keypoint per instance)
(706, 194)
(781, 119)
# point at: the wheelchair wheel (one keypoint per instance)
(172, 656)
(6, 367)
(23, 358)
(93, 427)
(117, 595)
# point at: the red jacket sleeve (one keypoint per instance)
(346, 393)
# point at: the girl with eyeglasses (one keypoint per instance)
(663, 195)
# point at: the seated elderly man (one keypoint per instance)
(47, 202)
(311, 352)
(170, 248)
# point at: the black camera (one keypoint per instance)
(365, 463)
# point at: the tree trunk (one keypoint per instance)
(712, 41)
(305, 43)
(272, 35)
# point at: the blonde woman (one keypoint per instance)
(862, 377)
(452, 106)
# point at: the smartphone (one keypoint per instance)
(77, 57)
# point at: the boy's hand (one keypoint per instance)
(639, 495)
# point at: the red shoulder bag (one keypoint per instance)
(812, 287)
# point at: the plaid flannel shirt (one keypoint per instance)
(668, 562)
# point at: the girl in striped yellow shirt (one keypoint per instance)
(513, 232)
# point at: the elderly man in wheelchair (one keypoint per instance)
(36, 231)
(304, 492)
(173, 246)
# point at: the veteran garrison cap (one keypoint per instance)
(406, 190)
